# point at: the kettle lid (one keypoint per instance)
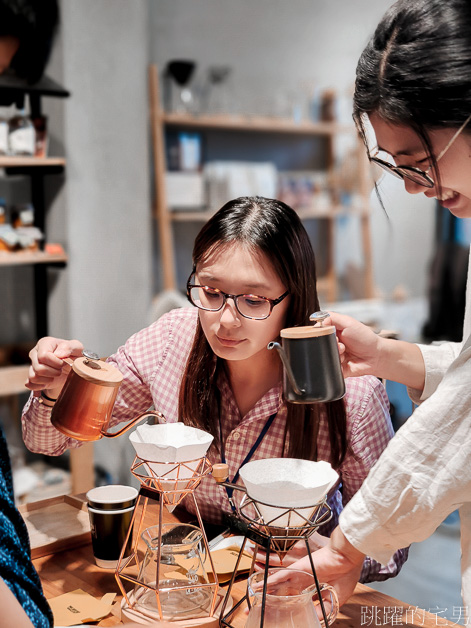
(97, 371)
(310, 331)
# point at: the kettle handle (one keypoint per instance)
(155, 413)
(287, 365)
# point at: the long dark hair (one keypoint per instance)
(416, 69)
(267, 226)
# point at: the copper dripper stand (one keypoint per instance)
(129, 568)
(270, 536)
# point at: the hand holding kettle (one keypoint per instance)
(81, 392)
(48, 370)
(365, 352)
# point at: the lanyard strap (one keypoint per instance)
(253, 449)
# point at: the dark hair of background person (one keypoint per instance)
(270, 227)
(416, 69)
(34, 23)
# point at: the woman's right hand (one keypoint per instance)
(359, 346)
(48, 371)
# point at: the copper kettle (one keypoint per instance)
(84, 407)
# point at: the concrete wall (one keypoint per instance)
(102, 213)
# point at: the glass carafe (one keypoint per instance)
(291, 600)
(174, 577)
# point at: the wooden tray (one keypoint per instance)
(56, 524)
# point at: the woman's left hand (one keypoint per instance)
(298, 551)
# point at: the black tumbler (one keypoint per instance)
(110, 509)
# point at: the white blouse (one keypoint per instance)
(424, 474)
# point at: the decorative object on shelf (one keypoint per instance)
(3, 134)
(305, 190)
(220, 97)
(185, 190)
(19, 239)
(328, 105)
(179, 97)
(42, 137)
(21, 135)
(285, 501)
(22, 215)
(170, 581)
(230, 179)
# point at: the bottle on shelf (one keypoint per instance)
(21, 134)
(3, 132)
(3, 211)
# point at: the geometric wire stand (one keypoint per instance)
(167, 489)
(273, 537)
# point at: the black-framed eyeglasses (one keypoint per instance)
(421, 177)
(250, 306)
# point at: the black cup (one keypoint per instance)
(312, 356)
(110, 521)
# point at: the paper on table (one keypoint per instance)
(79, 607)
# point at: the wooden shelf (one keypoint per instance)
(10, 161)
(12, 380)
(269, 124)
(334, 211)
(327, 131)
(19, 258)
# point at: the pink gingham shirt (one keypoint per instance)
(152, 362)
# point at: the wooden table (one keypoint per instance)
(68, 570)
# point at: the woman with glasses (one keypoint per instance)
(208, 366)
(413, 86)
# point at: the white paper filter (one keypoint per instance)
(170, 442)
(277, 484)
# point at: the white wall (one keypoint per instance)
(284, 48)
(103, 213)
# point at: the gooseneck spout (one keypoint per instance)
(287, 366)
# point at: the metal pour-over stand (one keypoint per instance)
(167, 489)
(271, 536)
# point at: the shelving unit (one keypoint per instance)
(12, 380)
(162, 120)
(12, 162)
(31, 257)
(13, 90)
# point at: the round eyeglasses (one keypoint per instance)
(248, 305)
(421, 177)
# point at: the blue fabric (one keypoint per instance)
(16, 568)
